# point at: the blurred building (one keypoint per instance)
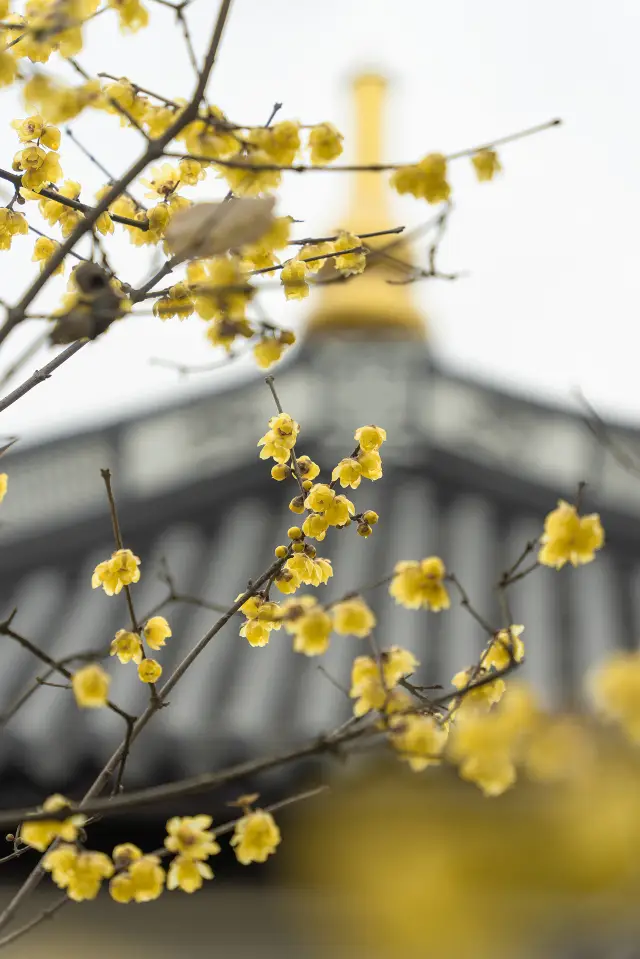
(470, 471)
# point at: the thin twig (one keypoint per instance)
(28, 926)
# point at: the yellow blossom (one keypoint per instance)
(615, 690)
(486, 164)
(178, 303)
(60, 863)
(308, 469)
(210, 138)
(156, 631)
(131, 14)
(425, 180)
(256, 632)
(39, 835)
(147, 878)
(420, 740)
(505, 647)
(321, 572)
(149, 671)
(483, 747)
(267, 351)
(352, 617)
(280, 142)
(187, 874)
(121, 888)
(315, 255)
(348, 472)
(340, 511)
(417, 584)
(287, 581)
(249, 178)
(293, 278)
(371, 682)
(256, 836)
(191, 171)
(260, 254)
(43, 250)
(80, 873)
(48, 171)
(319, 498)
(312, 632)
(4, 482)
(91, 686)
(325, 143)
(127, 647)
(280, 439)
(370, 464)
(121, 570)
(569, 537)
(190, 836)
(315, 526)
(35, 128)
(480, 697)
(11, 224)
(349, 263)
(370, 437)
(164, 181)
(8, 65)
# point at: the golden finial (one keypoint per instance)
(368, 304)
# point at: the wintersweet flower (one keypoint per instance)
(256, 837)
(486, 164)
(187, 874)
(191, 837)
(325, 143)
(149, 671)
(127, 647)
(115, 573)
(312, 632)
(417, 584)
(352, 617)
(156, 631)
(39, 835)
(348, 472)
(91, 686)
(570, 538)
(420, 740)
(293, 279)
(370, 437)
(614, 688)
(505, 648)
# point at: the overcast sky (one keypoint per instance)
(551, 302)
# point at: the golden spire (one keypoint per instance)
(368, 304)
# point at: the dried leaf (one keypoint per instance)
(208, 229)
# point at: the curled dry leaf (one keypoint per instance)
(207, 229)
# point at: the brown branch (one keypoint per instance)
(360, 167)
(6, 630)
(192, 785)
(49, 194)
(39, 376)
(465, 602)
(28, 926)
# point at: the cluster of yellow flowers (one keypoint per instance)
(127, 646)
(91, 683)
(346, 252)
(427, 179)
(40, 167)
(139, 877)
(310, 623)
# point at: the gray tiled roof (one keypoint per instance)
(237, 701)
(469, 474)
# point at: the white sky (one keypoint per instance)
(552, 300)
